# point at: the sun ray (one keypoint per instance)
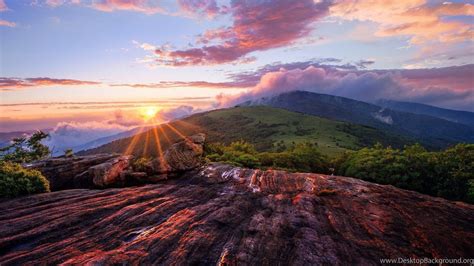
(177, 131)
(158, 146)
(147, 140)
(165, 135)
(133, 142)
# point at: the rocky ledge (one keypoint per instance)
(219, 214)
(115, 170)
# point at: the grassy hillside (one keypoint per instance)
(269, 129)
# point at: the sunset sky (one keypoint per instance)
(104, 63)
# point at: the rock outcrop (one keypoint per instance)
(114, 170)
(223, 215)
(70, 172)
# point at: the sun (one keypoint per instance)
(149, 112)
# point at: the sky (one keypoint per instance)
(108, 65)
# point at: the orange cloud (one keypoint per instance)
(422, 21)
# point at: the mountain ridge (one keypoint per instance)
(429, 130)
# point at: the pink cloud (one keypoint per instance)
(423, 22)
(3, 6)
(15, 83)
(451, 87)
(6, 23)
(207, 8)
(257, 26)
(145, 6)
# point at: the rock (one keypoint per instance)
(67, 173)
(186, 155)
(104, 170)
(198, 138)
(159, 166)
(223, 214)
(108, 173)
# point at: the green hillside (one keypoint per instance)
(269, 129)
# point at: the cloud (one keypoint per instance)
(3, 6)
(176, 112)
(207, 8)
(6, 23)
(175, 84)
(257, 26)
(15, 83)
(451, 87)
(71, 134)
(422, 21)
(144, 6)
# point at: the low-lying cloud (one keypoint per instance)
(450, 87)
(71, 134)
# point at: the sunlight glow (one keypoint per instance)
(149, 112)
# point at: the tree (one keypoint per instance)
(26, 149)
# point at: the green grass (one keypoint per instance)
(266, 127)
(269, 129)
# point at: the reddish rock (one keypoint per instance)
(234, 216)
(185, 155)
(73, 172)
(108, 173)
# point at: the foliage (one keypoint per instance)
(141, 164)
(26, 149)
(448, 173)
(17, 181)
(68, 153)
(239, 153)
(303, 157)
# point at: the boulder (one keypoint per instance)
(67, 173)
(187, 154)
(111, 170)
(108, 173)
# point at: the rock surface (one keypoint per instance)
(187, 154)
(109, 173)
(222, 215)
(73, 172)
(113, 170)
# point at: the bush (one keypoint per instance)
(18, 181)
(141, 164)
(448, 174)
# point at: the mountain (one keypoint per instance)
(104, 140)
(269, 129)
(223, 215)
(462, 117)
(430, 131)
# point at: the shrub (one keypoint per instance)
(17, 181)
(68, 153)
(447, 174)
(141, 164)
